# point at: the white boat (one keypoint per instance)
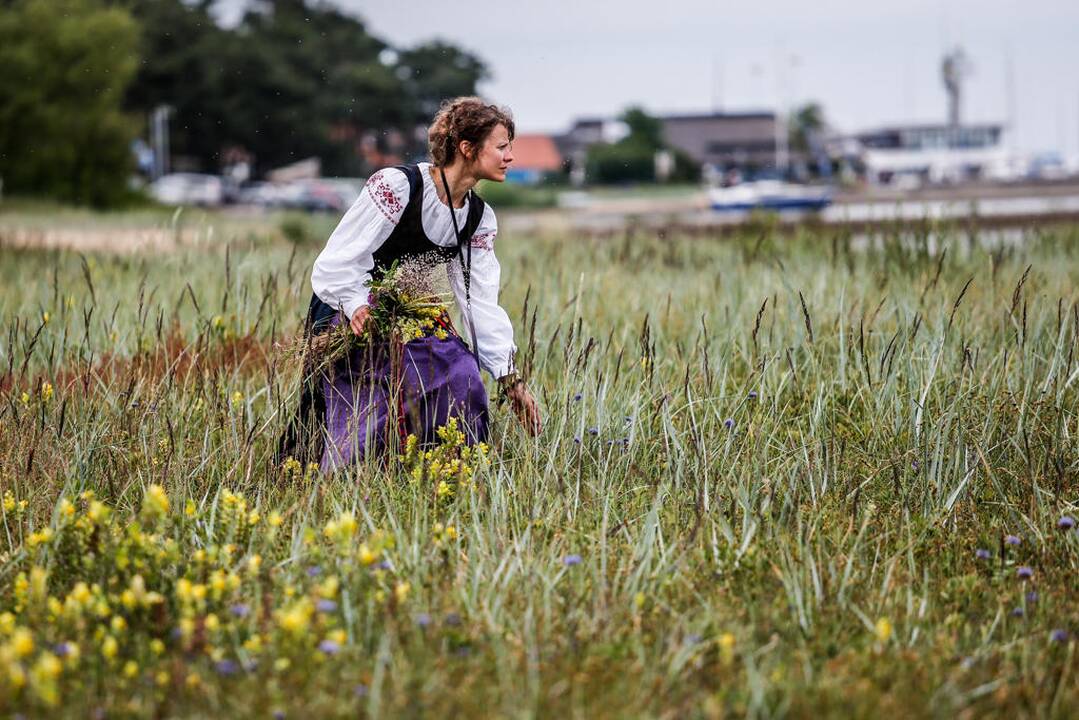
(770, 195)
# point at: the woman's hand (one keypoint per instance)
(524, 405)
(359, 318)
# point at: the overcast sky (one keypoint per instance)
(869, 62)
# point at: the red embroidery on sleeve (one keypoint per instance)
(383, 196)
(484, 241)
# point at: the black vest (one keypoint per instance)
(408, 240)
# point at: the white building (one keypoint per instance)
(921, 154)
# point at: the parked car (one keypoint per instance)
(320, 195)
(188, 189)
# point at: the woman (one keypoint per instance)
(403, 214)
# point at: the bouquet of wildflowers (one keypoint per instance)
(403, 306)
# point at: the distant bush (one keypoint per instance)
(511, 195)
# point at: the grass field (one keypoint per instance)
(795, 477)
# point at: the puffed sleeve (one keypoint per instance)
(494, 332)
(343, 268)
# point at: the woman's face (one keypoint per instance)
(494, 156)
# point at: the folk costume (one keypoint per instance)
(414, 387)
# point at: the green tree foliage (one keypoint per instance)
(294, 79)
(65, 66)
(633, 158)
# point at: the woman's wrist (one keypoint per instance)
(509, 381)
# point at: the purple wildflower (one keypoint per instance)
(1025, 573)
(1066, 523)
(982, 554)
(1059, 635)
(329, 647)
(278, 715)
(227, 667)
(360, 690)
(240, 610)
(629, 419)
(62, 649)
(914, 465)
(325, 606)
(251, 665)
(423, 620)
(593, 431)
(752, 394)
(384, 565)
(453, 619)
(577, 397)
(1017, 612)
(1032, 596)
(577, 439)
(313, 571)
(728, 423)
(571, 560)
(693, 639)
(1011, 539)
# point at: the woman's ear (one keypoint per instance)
(465, 149)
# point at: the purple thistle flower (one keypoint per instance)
(1025, 573)
(577, 439)
(914, 465)
(453, 619)
(423, 620)
(577, 397)
(1066, 523)
(62, 649)
(240, 610)
(752, 394)
(329, 647)
(360, 690)
(982, 554)
(325, 606)
(693, 639)
(593, 431)
(728, 423)
(278, 715)
(1032, 597)
(571, 560)
(629, 419)
(313, 571)
(1017, 612)
(227, 667)
(1059, 635)
(1011, 539)
(384, 565)
(251, 665)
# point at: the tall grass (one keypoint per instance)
(767, 468)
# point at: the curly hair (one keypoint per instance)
(463, 119)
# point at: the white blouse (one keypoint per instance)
(342, 270)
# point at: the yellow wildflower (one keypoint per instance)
(156, 646)
(131, 669)
(46, 391)
(274, 519)
(156, 501)
(25, 399)
(9, 502)
(109, 647)
(237, 399)
(22, 642)
(401, 590)
(726, 647)
(883, 629)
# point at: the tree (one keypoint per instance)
(434, 71)
(66, 65)
(633, 158)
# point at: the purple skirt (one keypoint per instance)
(375, 396)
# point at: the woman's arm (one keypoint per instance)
(343, 268)
(494, 332)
